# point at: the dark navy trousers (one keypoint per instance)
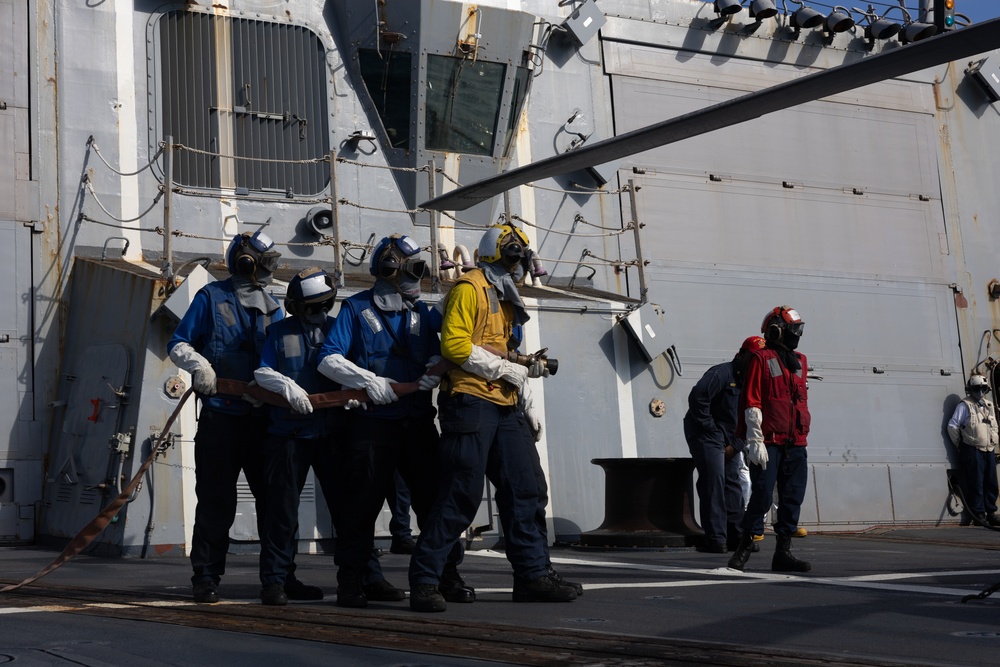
(223, 446)
(371, 452)
(287, 461)
(979, 479)
(480, 438)
(720, 494)
(787, 468)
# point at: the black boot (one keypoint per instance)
(453, 588)
(350, 592)
(555, 576)
(784, 561)
(743, 551)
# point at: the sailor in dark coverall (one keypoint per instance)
(709, 427)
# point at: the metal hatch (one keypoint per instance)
(93, 413)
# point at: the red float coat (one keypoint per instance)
(781, 397)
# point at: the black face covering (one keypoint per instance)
(789, 359)
(790, 340)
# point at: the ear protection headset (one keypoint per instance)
(777, 320)
(248, 251)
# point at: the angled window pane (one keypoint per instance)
(518, 96)
(463, 104)
(387, 76)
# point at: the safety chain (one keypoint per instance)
(229, 195)
(90, 187)
(617, 232)
(152, 160)
(381, 166)
(612, 262)
(312, 160)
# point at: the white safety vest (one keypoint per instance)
(981, 429)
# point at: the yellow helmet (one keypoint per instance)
(504, 241)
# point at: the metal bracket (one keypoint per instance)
(121, 443)
(169, 440)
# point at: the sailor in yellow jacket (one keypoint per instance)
(483, 429)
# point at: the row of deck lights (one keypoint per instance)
(839, 19)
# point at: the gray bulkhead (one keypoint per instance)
(871, 212)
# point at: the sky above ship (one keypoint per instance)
(976, 10)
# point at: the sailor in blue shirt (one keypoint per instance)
(221, 335)
(382, 336)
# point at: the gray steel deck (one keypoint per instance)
(885, 597)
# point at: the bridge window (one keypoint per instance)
(387, 76)
(463, 104)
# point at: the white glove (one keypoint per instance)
(380, 391)
(256, 402)
(537, 369)
(491, 367)
(345, 373)
(202, 373)
(429, 382)
(203, 381)
(355, 404)
(755, 450)
(272, 380)
(527, 402)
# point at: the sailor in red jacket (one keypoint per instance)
(774, 420)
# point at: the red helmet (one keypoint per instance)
(780, 319)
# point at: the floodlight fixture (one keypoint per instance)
(882, 28)
(762, 9)
(916, 31)
(839, 20)
(913, 31)
(805, 17)
(728, 7)
(879, 27)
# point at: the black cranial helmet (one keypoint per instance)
(310, 292)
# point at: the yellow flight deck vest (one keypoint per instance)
(494, 326)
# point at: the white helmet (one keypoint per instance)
(977, 383)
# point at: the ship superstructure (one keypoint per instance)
(139, 137)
